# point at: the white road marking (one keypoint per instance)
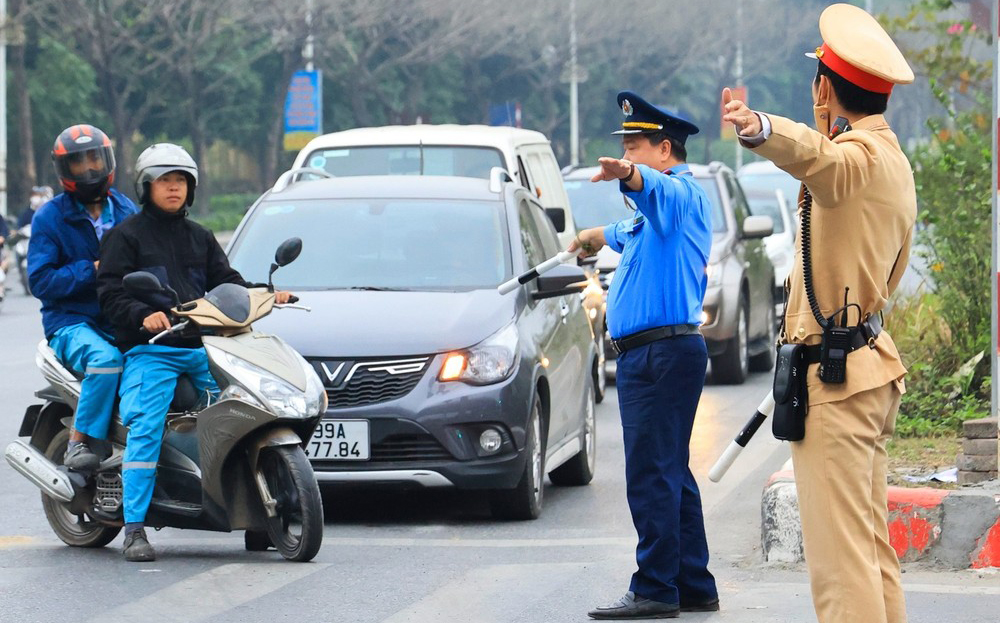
(490, 594)
(209, 594)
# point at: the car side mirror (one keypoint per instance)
(558, 218)
(757, 227)
(560, 281)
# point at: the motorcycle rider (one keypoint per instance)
(62, 273)
(186, 257)
(39, 195)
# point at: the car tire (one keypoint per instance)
(579, 470)
(525, 500)
(763, 362)
(733, 365)
(600, 372)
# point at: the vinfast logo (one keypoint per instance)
(337, 373)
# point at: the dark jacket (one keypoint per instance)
(61, 259)
(181, 253)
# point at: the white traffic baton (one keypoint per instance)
(509, 286)
(764, 411)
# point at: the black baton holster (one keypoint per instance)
(791, 399)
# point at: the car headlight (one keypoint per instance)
(714, 272)
(490, 361)
(274, 393)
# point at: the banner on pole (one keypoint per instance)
(303, 109)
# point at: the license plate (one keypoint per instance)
(340, 440)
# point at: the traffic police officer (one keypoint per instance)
(862, 217)
(654, 311)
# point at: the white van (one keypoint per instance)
(456, 150)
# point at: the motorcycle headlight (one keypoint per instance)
(279, 396)
(490, 361)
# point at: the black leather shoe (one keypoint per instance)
(633, 607)
(80, 458)
(712, 605)
(137, 547)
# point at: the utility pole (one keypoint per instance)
(307, 49)
(739, 70)
(574, 103)
(995, 322)
(3, 108)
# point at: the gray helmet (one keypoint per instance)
(160, 159)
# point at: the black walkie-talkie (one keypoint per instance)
(833, 351)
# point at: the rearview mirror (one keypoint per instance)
(141, 282)
(288, 251)
(757, 227)
(558, 218)
(560, 281)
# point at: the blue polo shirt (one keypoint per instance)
(104, 221)
(661, 278)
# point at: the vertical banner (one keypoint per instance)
(303, 109)
(507, 113)
(726, 131)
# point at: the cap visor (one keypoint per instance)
(635, 131)
(811, 55)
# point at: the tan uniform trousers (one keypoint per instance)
(840, 476)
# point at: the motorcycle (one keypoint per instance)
(233, 463)
(20, 239)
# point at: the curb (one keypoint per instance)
(956, 528)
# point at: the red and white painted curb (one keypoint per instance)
(958, 528)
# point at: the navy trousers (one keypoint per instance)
(659, 386)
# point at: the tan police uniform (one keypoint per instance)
(863, 213)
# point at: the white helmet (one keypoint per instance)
(160, 159)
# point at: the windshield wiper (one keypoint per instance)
(376, 289)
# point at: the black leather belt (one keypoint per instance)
(865, 335)
(652, 335)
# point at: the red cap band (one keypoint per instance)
(851, 73)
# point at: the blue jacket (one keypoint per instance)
(61, 258)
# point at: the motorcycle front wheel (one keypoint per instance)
(297, 529)
(73, 529)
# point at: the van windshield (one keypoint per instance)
(407, 160)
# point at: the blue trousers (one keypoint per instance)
(148, 384)
(92, 352)
(659, 386)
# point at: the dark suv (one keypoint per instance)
(433, 377)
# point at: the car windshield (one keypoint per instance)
(597, 205)
(406, 160)
(378, 244)
(711, 188)
(770, 182)
(767, 205)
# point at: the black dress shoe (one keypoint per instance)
(712, 605)
(632, 606)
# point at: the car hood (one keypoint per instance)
(377, 324)
(607, 259)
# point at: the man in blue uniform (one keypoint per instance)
(654, 311)
(62, 271)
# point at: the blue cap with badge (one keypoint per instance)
(641, 117)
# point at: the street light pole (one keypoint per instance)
(3, 108)
(307, 49)
(739, 70)
(574, 104)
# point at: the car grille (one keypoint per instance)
(400, 448)
(356, 383)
